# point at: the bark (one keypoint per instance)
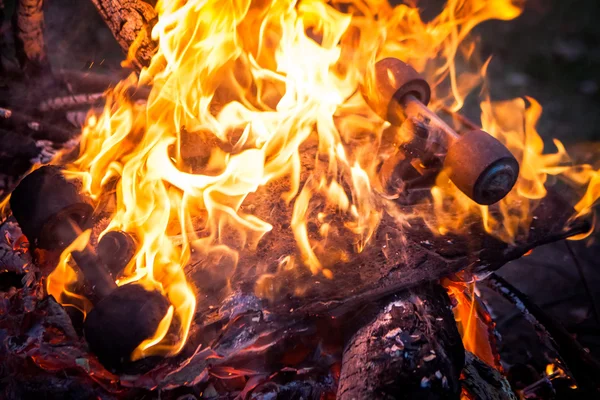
(131, 22)
(71, 101)
(584, 368)
(410, 350)
(483, 382)
(28, 24)
(397, 259)
(38, 129)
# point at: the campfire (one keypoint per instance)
(282, 199)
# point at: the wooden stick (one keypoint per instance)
(38, 129)
(66, 102)
(28, 25)
(584, 367)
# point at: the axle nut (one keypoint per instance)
(481, 167)
(116, 249)
(390, 83)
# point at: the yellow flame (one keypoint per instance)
(514, 124)
(472, 322)
(161, 332)
(261, 98)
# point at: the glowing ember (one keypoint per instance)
(248, 95)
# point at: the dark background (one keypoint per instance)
(551, 52)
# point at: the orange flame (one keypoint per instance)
(59, 282)
(245, 94)
(472, 321)
(514, 124)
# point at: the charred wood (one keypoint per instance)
(66, 102)
(483, 382)
(582, 365)
(90, 82)
(411, 255)
(28, 24)
(87, 81)
(252, 339)
(554, 386)
(36, 128)
(295, 390)
(38, 340)
(131, 23)
(410, 350)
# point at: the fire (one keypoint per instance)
(514, 124)
(248, 95)
(59, 282)
(473, 321)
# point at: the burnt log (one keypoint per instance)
(131, 22)
(37, 340)
(28, 25)
(14, 257)
(90, 82)
(483, 382)
(584, 368)
(411, 349)
(397, 258)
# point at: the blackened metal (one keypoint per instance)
(116, 248)
(94, 270)
(42, 200)
(51, 213)
(123, 320)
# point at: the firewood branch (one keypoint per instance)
(412, 347)
(131, 23)
(28, 25)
